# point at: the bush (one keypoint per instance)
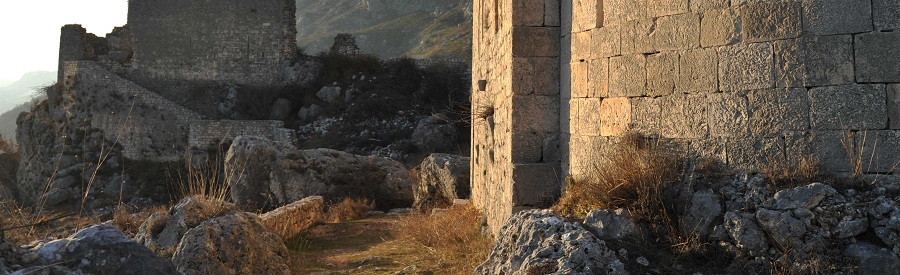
(348, 209)
(454, 236)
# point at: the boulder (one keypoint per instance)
(162, 232)
(611, 225)
(704, 213)
(435, 135)
(329, 94)
(539, 242)
(101, 249)
(267, 174)
(236, 243)
(289, 220)
(441, 179)
(803, 197)
(281, 109)
(746, 233)
(873, 259)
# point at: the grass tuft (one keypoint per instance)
(348, 209)
(454, 236)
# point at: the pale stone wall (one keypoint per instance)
(209, 133)
(746, 82)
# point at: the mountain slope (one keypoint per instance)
(389, 28)
(22, 90)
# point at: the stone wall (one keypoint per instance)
(240, 41)
(745, 82)
(210, 133)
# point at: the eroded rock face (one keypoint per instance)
(442, 178)
(236, 243)
(163, 231)
(611, 225)
(539, 242)
(100, 249)
(289, 220)
(268, 174)
(435, 135)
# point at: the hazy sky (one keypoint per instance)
(30, 30)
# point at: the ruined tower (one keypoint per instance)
(744, 82)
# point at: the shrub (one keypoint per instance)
(348, 209)
(454, 236)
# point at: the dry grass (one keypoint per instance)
(634, 175)
(348, 209)
(130, 221)
(453, 237)
(784, 174)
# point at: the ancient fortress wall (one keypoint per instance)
(210, 133)
(240, 41)
(746, 82)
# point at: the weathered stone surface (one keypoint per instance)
(620, 11)
(860, 107)
(873, 259)
(280, 110)
(893, 105)
(697, 71)
(435, 135)
(829, 147)
(535, 41)
(746, 67)
(703, 5)
(101, 249)
(677, 32)
(537, 184)
(537, 114)
(585, 116)
(221, 246)
(627, 75)
(289, 220)
(876, 57)
(586, 15)
(163, 231)
(807, 197)
(537, 241)
(528, 13)
(598, 77)
(607, 41)
(886, 14)
(442, 178)
(828, 17)
(645, 116)
(662, 70)
(580, 79)
(581, 46)
(657, 8)
(329, 94)
(611, 225)
(753, 153)
(777, 111)
(880, 151)
(728, 115)
(720, 27)
(685, 116)
(767, 21)
(535, 76)
(814, 61)
(784, 229)
(704, 212)
(746, 233)
(615, 116)
(636, 36)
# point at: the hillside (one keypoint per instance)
(22, 90)
(8, 120)
(389, 28)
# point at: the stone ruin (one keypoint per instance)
(744, 82)
(345, 44)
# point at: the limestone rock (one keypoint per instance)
(329, 94)
(435, 135)
(785, 230)
(704, 213)
(269, 174)
(442, 179)
(873, 259)
(539, 242)
(745, 233)
(102, 249)
(611, 225)
(805, 196)
(232, 244)
(163, 231)
(289, 220)
(281, 109)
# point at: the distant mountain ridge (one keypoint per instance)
(389, 28)
(21, 91)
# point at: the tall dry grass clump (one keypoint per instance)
(348, 209)
(633, 174)
(454, 236)
(784, 174)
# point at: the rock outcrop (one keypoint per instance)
(163, 231)
(236, 243)
(267, 174)
(441, 179)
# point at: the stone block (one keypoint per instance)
(880, 151)
(645, 116)
(662, 70)
(552, 13)
(606, 41)
(586, 15)
(584, 116)
(697, 71)
(529, 147)
(855, 107)
(767, 21)
(565, 81)
(677, 32)
(703, 5)
(620, 11)
(893, 105)
(714, 148)
(581, 46)
(539, 114)
(535, 76)
(777, 111)
(289, 220)
(684, 116)
(584, 153)
(878, 57)
(528, 13)
(615, 116)
(814, 61)
(535, 185)
(581, 86)
(828, 17)
(789, 63)
(746, 67)
(831, 147)
(728, 115)
(636, 36)
(754, 153)
(535, 41)
(720, 27)
(627, 75)
(598, 77)
(886, 14)
(657, 8)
